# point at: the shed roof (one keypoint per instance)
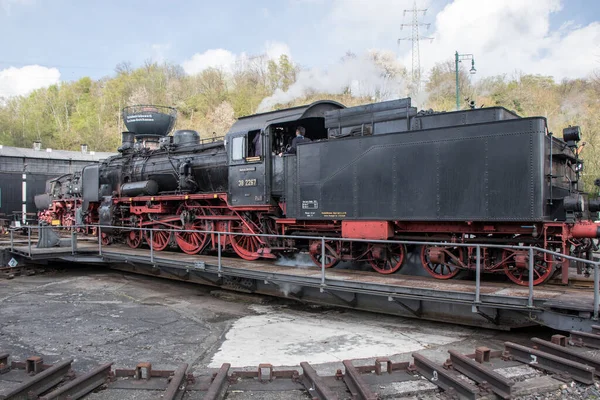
(20, 152)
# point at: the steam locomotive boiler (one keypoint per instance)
(374, 172)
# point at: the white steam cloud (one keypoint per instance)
(375, 75)
(301, 260)
(288, 289)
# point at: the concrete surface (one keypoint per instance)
(405, 389)
(97, 316)
(541, 384)
(285, 336)
(100, 316)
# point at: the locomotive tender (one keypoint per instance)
(375, 172)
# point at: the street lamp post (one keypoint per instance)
(458, 58)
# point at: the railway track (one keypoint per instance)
(481, 374)
(11, 272)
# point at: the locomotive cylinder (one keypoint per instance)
(149, 188)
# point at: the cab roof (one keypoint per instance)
(261, 121)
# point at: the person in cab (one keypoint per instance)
(300, 131)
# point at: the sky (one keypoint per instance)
(43, 42)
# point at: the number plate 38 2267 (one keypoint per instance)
(246, 182)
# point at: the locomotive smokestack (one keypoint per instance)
(127, 141)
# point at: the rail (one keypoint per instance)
(478, 246)
(464, 376)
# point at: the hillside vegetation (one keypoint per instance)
(88, 111)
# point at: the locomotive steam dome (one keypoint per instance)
(148, 120)
(186, 137)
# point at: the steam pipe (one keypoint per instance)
(582, 230)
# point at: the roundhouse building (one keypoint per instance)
(24, 172)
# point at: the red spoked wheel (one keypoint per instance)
(134, 239)
(105, 239)
(160, 238)
(192, 242)
(45, 216)
(442, 262)
(386, 258)
(516, 266)
(333, 249)
(67, 220)
(245, 246)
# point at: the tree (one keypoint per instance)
(441, 86)
(221, 118)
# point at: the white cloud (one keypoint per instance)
(504, 36)
(213, 58)
(513, 35)
(226, 60)
(20, 81)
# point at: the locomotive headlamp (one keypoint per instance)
(574, 203)
(572, 134)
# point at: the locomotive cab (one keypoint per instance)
(254, 143)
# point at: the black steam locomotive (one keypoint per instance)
(378, 171)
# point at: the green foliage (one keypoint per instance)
(87, 111)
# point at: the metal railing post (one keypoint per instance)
(596, 289)
(73, 239)
(477, 274)
(530, 298)
(322, 261)
(152, 245)
(29, 240)
(12, 240)
(99, 241)
(219, 269)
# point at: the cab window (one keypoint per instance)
(238, 148)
